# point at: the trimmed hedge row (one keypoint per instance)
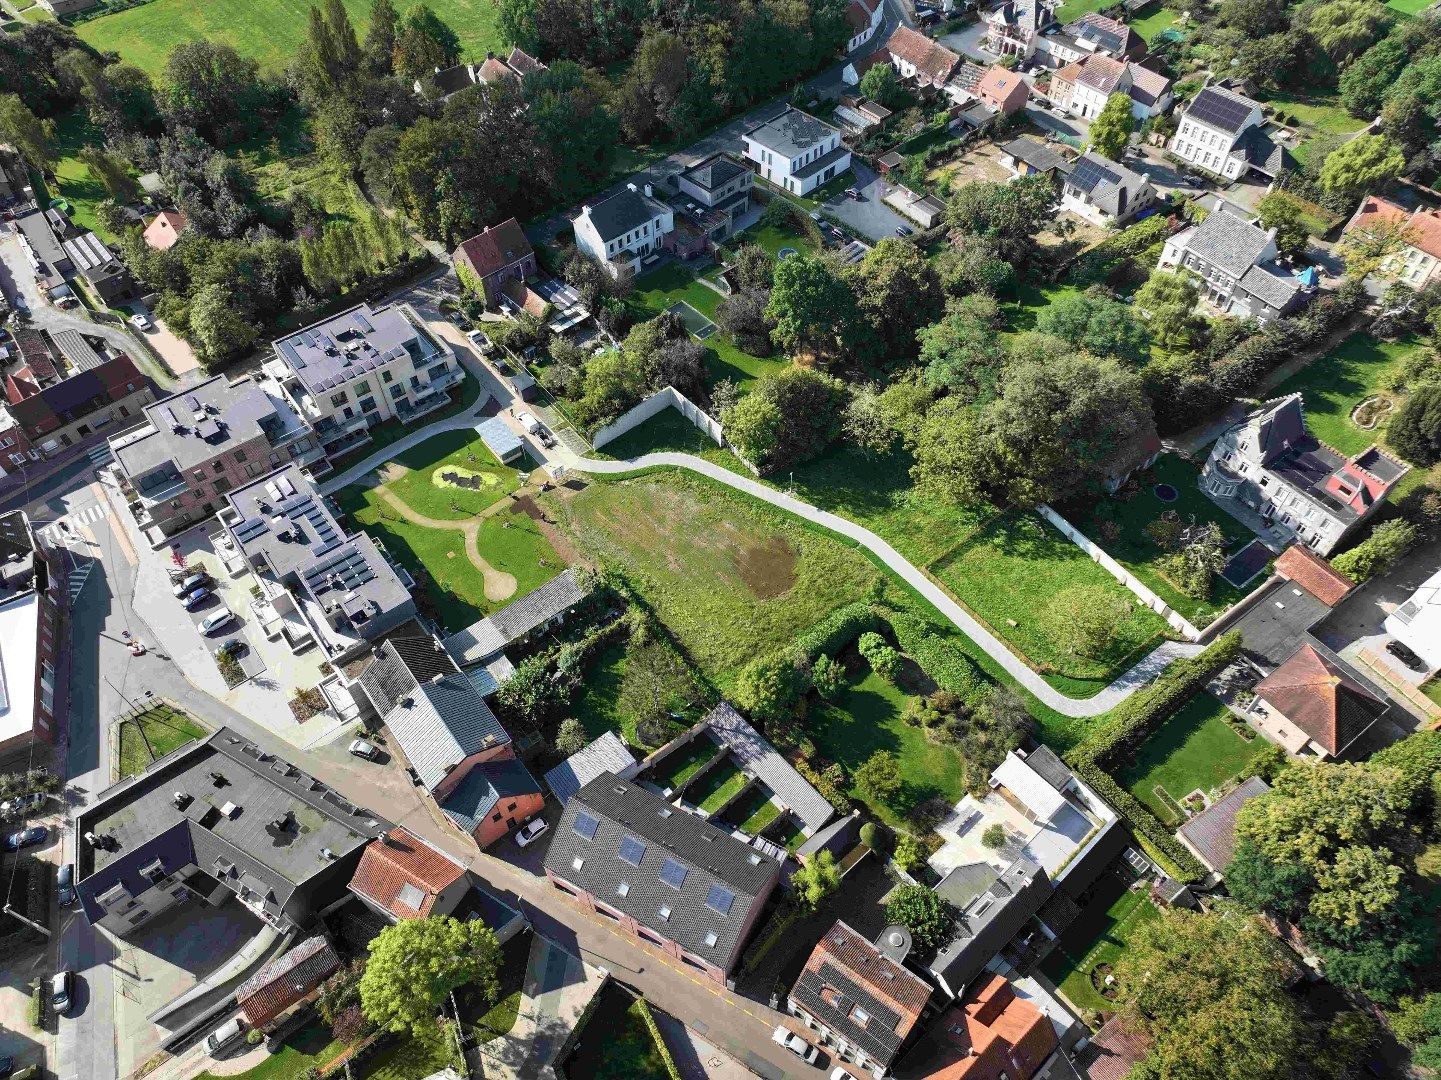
(643, 1007)
(938, 656)
(1144, 823)
(838, 629)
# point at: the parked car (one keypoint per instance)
(1407, 655)
(904, 230)
(188, 584)
(65, 884)
(852, 193)
(233, 647)
(7, 1067)
(480, 341)
(60, 995)
(25, 838)
(22, 804)
(140, 321)
(196, 598)
(795, 1044)
(223, 1036)
(215, 620)
(532, 830)
(367, 750)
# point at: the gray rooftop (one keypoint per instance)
(279, 821)
(1036, 154)
(713, 881)
(759, 758)
(489, 635)
(607, 754)
(624, 212)
(73, 345)
(1221, 109)
(483, 787)
(714, 172)
(1271, 283)
(194, 426)
(1112, 187)
(90, 255)
(988, 919)
(1228, 241)
(354, 344)
(1212, 832)
(792, 133)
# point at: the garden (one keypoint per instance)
(1200, 748)
(1091, 945)
(619, 1041)
(151, 735)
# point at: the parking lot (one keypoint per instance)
(867, 216)
(232, 631)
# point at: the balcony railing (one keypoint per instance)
(161, 494)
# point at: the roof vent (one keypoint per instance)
(230, 810)
(181, 800)
(328, 855)
(219, 778)
(439, 676)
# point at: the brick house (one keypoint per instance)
(30, 641)
(287, 983)
(55, 405)
(494, 256)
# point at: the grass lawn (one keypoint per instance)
(616, 1043)
(772, 238)
(1322, 115)
(500, 1017)
(754, 812)
(1074, 9)
(73, 180)
(1432, 689)
(310, 1047)
(789, 835)
(686, 762)
(406, 1057)
(1408, 7)
(867, 718)
(267, 30)
(732, 578)
(1099, 936)
(1336, 383)
(1136, 551)
(1195, 748)
(658, 290)
(597, 708)
(165, 729)
(1013, 569)
(462, 452)
(1157, 22)
(717, 787)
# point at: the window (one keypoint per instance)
(362, 387)
(631, 850)
(337, 400)
(510, 808)
(494, 817)
(368, 405)
(664, 913)
(585, 824)
(387, 376)
(860, 1016)
(673, 873)
(253, 469)
(720, 900)
(239, 455)
(348, 413)
(710, 940)
(397, 391)
(623, 889)
(576, 863)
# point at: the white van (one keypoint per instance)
(223, 1036)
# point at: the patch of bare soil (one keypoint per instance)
(768, 568)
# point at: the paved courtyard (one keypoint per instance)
(868, 216)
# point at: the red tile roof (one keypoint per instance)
(1003, 88)
(1314, 574)
(401, 859)
(935, 61)
(496, 248)
(1422, 226)
(884, 979)
(990, 1035)
(1113, 1051)
(494, 71)
(1319, 698)
(283, 982)
(165, 229)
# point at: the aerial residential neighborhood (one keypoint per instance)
(839, 539)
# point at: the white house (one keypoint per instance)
(623, 230)
(1093, 34)
(1082, 88)
(1224, 133)
(1418, 262)
(797, 152)
(863, 17)
(1417, 622)
(1236, 262)
(1105, 193)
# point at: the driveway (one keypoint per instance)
(1152, 163)
(970, 41)
(867, 216)
(179, 357)
(1057, 125)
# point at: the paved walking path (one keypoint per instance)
(498, 584)
(459, 422)
(1102, 702)
(558, 987)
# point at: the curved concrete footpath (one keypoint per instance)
(466, 420)
(1102, 702)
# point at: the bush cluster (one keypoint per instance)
(938, 656)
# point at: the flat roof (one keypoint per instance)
(19, 641)
(348, 346)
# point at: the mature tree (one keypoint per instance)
(29, 135)
(1083, 619)
(214, 90)
(866, 422)
(1344, 28)
(112, 173)
(743, 315)
(972, 264)
(768, 687)
(570, 738)
(1261, 883)
(423, 43)
(877, 652)
(963, 353)
(828, 676)
(1420, 79)
(219, 330)
(574, 128)
(1374, 555)
(1007, 215)
(753, 267)
(414, 964)
(1366, 80)
(817, 878)
(812, 305)
(380, 36)
(1112, 127)
(924, 913)
(1098, 323)
(881, 83)
(1209, 992)
(656, 682)
(904, 403)
(789, 416)
(897, 293)
(1362, 163)
(879, 776)
(1254, 18)
(650, 95)
(1170, 300)
(1285, 214)
(1364, 250)
(1415, 430)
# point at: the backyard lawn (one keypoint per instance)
(1335, 384)
(1099, 936)
(1408, 7)
(685, 762)
(405, 1057)
(1194, 749)
(1157, 22)
(73, 180)
(866, 718)
(310, 1047)
(616, 1043)
(717, 787)
(1074, 9)
(267, 30)
(755, 811)
(476, 479)
(731, 578)
(165, 729)
(789, 834)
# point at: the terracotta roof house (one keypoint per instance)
(1211, 834)
(164, 229)
(403, 877)
(864, 1004)
(1419, 261)
(916, 56)
(282, 984)
(1113, 1052)
(1003, 89)
(494, 256)
(1321, 708)
(1314, 574)
(991, 1035)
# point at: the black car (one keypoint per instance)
(25, 838)
(65, 885)
(1406, 655)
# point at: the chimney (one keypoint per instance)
(648, 192)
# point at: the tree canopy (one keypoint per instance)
(414, 964)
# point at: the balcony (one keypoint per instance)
(313, 458)
(170, 490)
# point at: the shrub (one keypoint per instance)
(876, 837)
(938, 656)
(643, 1007)
(884, 660)
(828, 784)
(995, 836)
(923, 913)
(570, 739)
(838, 629)
(828, 677)
(657, 730)
(880, 777)
(909, 855)
(1374, 555)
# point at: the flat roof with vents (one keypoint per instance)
(354, 344)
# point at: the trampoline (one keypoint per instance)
(786, 253)
(694, 321)
(1166, 493)
(1246, 564)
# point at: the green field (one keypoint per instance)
(1099, 936)
(1194, 749)
(867, 718)
(405, 1057)
(424, 492)
(1334, 385)
(1408, 7)
(165, 729)
(267, 30)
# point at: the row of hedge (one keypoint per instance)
(643, 1007)
(838, 629)
(938, 656)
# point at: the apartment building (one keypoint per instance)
(30, 642)
(797, 152)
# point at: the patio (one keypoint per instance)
(1049, 843)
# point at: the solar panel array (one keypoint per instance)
(1217, 109)
(673, 873)
(1089, 174)
(346, 569)
(632, 850)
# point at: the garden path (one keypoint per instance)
(498, 584)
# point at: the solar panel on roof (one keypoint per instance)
(720, 900)
(631, 850)
(673, 873)
(586, 825)
(285, 485)
(1089, 175)
(1218, 110)
(362, 322)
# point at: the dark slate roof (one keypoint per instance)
(518, 618)
(1221, 109)
(791, 133)
(622, 212)
(1212, 832)
(1044, 762)
(1262, 152)
(710, 857)
(1271, 284)
(607, 754)
(1036, 154)
(1228, 241)
(877, 1038)
(434, 712)
(1112, 187)
(759, 758)
(989, 921)
(484, 786)
(714, 172)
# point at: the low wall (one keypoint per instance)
(1121, 574)
(665, 398)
